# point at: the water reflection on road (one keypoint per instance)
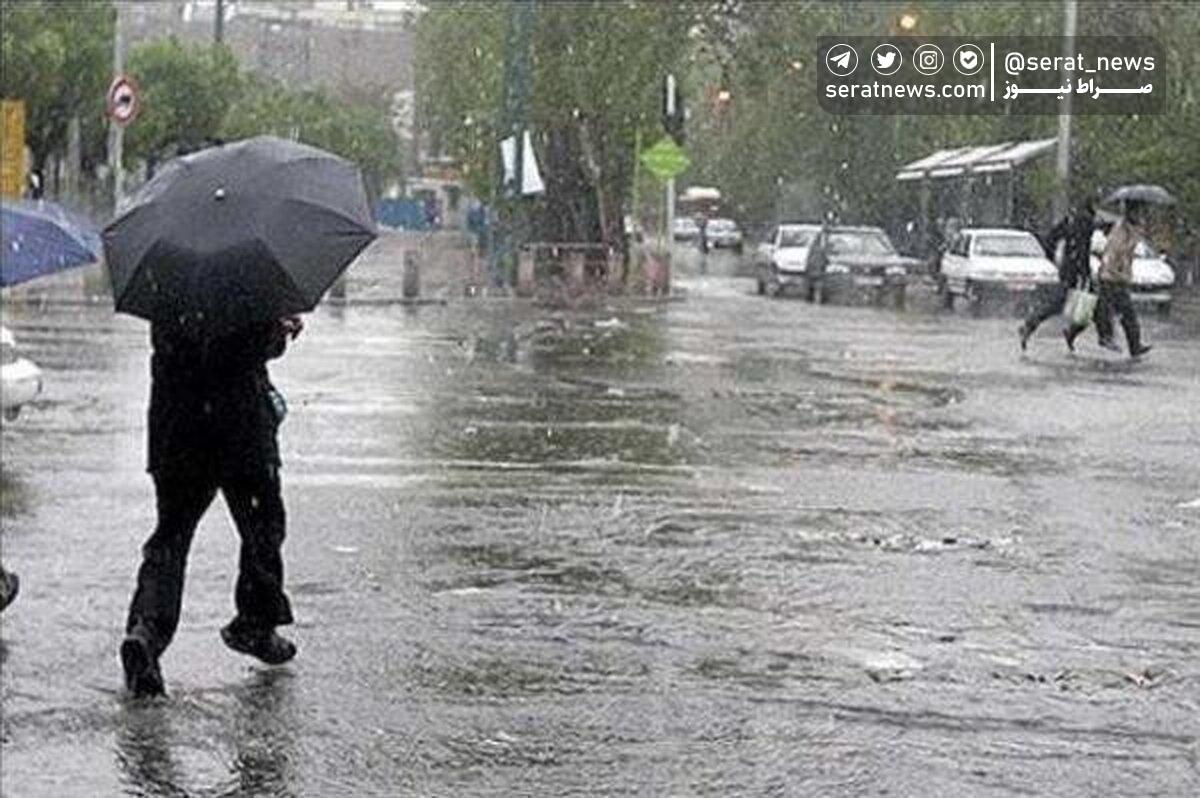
(725, 545)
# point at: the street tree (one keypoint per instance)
(597, 76)
(358, 128)
(57, 57)
(186, 91)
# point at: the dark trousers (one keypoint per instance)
(1051, 305)
(1115, 299)
(256, 503)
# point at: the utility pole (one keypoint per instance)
(513, 111)
(670, 111)
(1063, 165)
(219, 23)
(116, 132)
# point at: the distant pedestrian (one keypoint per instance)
(1116, 272)
(1074, 231)
(36, 187)
(213, 421)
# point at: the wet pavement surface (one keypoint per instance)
(721, 545)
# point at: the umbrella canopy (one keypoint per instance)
(238, 233)
(1142, 192)
(41, 238)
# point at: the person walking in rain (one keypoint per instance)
(213, 420)
(1116, 272)
(1074, 231)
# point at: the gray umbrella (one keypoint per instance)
(1141, 192)
(238, 233)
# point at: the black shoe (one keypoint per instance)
(142, 675)
(1110, 345)
(10, 585)
(1024, 332)
(1141, 350)
(262, 644)
(1069, 336)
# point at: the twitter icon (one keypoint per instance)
(886, 59)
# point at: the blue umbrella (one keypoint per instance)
(41, 238)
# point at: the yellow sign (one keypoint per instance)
(12, 148)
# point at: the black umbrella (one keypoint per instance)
(238, 233)
(1141, 192)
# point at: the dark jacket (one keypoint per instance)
(210, 404)
(1075, 229)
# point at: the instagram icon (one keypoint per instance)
(928, 59)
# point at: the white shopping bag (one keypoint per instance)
(1079, 307)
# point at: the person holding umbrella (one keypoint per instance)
(213, 425)
(1116, 272)
(221, 251)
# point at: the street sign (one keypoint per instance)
(665, 159)
(122, 101)
(12, 148)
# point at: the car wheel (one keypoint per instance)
(1163, 309)
(760, 287)
(11, 413)
(946, 294)
(974, 297)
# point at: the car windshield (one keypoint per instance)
(1143, 250)
(796, 237)
(860, 243)
(722, 224)
(685, 223)
(1008, 247)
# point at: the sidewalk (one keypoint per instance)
(445, 260)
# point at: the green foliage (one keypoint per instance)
(598, 70)
(185, 90)
(57, 57)
(358, 131)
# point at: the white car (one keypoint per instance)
(684, 228)
(20, 379)
(983, 260)
(783, 259)
(1153, 277)
(723, 233)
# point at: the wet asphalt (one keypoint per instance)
(718, 545)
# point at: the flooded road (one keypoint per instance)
(720, 545)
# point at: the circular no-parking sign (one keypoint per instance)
(123, 102)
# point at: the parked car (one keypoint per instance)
(982, 261)
(685, 228)
(1153, 277)
(844, 262)
(782, 260)
(723, 234)
(20, 379)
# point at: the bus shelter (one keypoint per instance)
(977, 185)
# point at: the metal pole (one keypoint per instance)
(116, 133)
(219, 23)
(1063, 166)
(670, 210)
(635, 212)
